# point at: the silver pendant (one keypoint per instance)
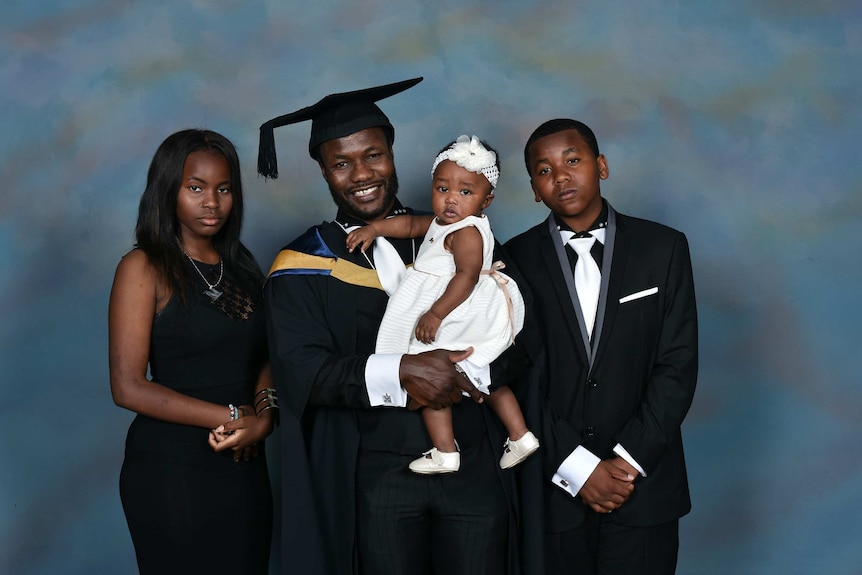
(213, 293)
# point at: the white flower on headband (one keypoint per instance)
(470, 154)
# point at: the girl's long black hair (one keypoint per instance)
(158, 228)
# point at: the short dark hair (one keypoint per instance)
(559, 125)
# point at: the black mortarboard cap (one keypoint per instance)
(335, 116)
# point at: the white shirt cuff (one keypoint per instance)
(382, 382)
(621, 451)
(575, 470)
(480, 376)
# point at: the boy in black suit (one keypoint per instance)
(619, 324)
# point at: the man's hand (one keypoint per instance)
(608, 487)
(430, 379)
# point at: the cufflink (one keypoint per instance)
(460, 370)
(387, 398)
(564, 483)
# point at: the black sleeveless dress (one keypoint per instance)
(190, 509)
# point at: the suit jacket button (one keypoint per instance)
(592, 382)
(590, 431)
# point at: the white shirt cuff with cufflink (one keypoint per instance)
(479, 376)
(382, 382)
(575, 470)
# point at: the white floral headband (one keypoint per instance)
(470, 154)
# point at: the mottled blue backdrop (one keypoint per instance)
(737, 122)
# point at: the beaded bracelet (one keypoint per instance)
(234, 412)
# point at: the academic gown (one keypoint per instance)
(322, 304)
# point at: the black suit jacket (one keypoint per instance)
(644, 369)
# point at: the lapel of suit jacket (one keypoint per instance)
(614, 261)
(571, 293)
(563, 281)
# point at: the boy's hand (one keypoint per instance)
(607, 488)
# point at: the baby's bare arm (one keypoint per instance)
(362, 237)
(466, 248)
(395, 227)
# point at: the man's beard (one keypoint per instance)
(391, 187)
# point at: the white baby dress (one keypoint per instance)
(484, 321)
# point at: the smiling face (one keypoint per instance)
(204, 201)
(360, 172)
(565, 174)
(457, 193)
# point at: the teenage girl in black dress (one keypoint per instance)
(188, 354)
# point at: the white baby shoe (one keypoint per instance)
(514, 452)
(436, 461)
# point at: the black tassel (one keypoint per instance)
(267, 163)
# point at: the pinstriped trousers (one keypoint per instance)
(452, 524)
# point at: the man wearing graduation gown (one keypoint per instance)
(350, 503)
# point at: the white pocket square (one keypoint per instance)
(639, 294)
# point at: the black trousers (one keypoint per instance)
(452, 524)
(600, 546)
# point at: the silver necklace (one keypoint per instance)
(212, 292)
